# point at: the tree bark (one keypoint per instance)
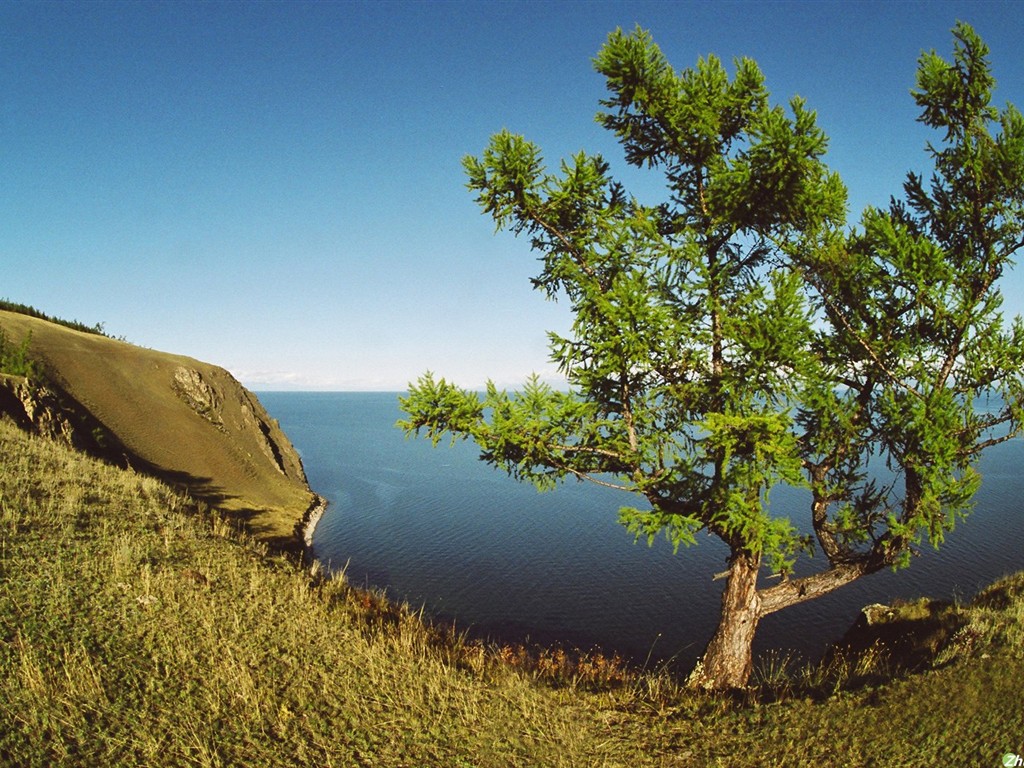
(789, 593)
(729, 660)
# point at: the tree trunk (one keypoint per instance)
(728, 660)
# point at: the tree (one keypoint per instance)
(734, 338)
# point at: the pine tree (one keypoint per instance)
(735, 338)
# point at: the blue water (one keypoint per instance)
(441, 530)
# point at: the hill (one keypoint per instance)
(138, 631)
(185, 421)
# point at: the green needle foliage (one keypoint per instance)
(734, 338)
(15, 358)
(917, 337)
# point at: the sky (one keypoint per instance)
(276, 187)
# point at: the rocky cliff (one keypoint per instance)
(186, 421)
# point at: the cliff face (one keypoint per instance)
(186, 421)
(233, 410)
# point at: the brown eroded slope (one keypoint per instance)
(184, 420)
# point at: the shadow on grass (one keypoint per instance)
(884, 644)
(242, 517)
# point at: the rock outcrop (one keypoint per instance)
(196, 392)
(40, 409)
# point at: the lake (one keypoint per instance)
(439, 529)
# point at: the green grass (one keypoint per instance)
(140, 628)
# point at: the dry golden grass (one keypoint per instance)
(139, 627)
(131, 391)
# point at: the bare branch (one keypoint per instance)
(807, 588)
(979, 447)
(590, 478)
(589, 449)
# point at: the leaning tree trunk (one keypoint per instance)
(729, 659)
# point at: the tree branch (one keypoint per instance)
(819, 521)
(589, 449)
(591, 479)
(569, 246)
(860, 339)
(809, 587)
(993, 441)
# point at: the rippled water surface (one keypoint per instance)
(439, 529)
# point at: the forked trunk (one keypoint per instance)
(728, 660)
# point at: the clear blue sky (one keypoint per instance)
(276, 187)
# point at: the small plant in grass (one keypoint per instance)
(592, 670)
(15, 359)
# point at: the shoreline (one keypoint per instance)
(307, 526)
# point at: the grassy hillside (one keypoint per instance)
(138, 629)
(184, 420)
